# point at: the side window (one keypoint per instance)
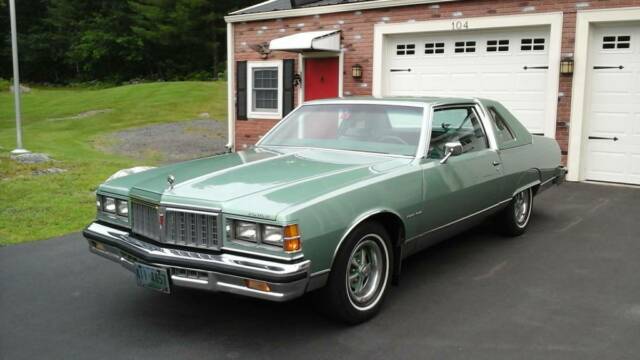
(503, 132)
(456, 124)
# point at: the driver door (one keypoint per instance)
(466, 184)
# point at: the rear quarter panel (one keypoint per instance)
(528, 164)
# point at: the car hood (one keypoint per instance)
(258, 182)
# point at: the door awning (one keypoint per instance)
(308, 41)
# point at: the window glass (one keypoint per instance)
(532, 44)
(434, 48)
(504, 133)
(402, 118)
(456, 124)
(388, 129)
(265, 89)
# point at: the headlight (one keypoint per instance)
(246, 231)
(109, 204)
(285, 237)
(272, 235)
(123, 207)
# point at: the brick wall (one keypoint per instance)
(357, 32)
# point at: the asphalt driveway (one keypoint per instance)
(568, 289)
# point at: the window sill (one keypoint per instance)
(264, 116)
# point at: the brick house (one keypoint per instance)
(568, 69)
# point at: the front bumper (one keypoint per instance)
(198, 270)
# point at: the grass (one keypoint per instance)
(40, 207)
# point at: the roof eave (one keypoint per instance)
(327, 9)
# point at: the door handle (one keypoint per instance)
(608, 67)
(615, 138)
(535, 67)
(496, 163)
(400, 70)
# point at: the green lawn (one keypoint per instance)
(40, 207)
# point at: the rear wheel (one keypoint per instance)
(359, 279)
(514, 219)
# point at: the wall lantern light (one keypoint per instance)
(566, 66)
(356, 71)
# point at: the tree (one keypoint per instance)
(116, 40)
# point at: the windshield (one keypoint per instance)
(388, 129)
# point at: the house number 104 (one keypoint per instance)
(459, 25)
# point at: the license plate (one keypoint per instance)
(153, 278)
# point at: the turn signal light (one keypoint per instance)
(257, 285)
(292, 240)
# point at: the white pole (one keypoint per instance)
(16, 79)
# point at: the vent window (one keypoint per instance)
(434, 48)
(497, 45)
(465, 47)
(406, 49)
(532, 44)
(616, 42)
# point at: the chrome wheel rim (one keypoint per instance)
(522, 207)
(366, 272)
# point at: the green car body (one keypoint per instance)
(327, 193)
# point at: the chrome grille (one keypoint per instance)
(145, 220)
(180, 227)
(193, 229)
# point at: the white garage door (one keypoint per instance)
(510, 66)
(613, 131)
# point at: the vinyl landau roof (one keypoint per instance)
(277, 5)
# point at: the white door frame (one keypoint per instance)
(552, 19)
(579, 115)
(320, 54)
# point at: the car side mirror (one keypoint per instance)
(453, 148)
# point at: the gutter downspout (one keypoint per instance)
(231, 96)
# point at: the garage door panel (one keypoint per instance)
(494, 82)
(614, 105)
(405, 82)
(635, 166)
(465, 82)
(609, 82)
(531, 82)
(605, 124)
(530, 119)
(608, 163)
(484, 72)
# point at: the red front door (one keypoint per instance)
(321, 78)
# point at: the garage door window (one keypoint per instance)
(405, 49)
(497, 45)
(465, 47)
(616, 42)
(434, 48)
(532, 44)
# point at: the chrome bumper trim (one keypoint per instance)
(221, 272)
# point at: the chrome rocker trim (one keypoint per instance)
(213, 272)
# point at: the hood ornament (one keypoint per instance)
(171, 180)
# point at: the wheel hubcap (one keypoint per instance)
(521, 208)
(364, 272)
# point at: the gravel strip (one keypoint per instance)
(167, 143)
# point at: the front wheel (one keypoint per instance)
(359, 279)
(514, 219)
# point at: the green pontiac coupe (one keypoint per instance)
(330, 200)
